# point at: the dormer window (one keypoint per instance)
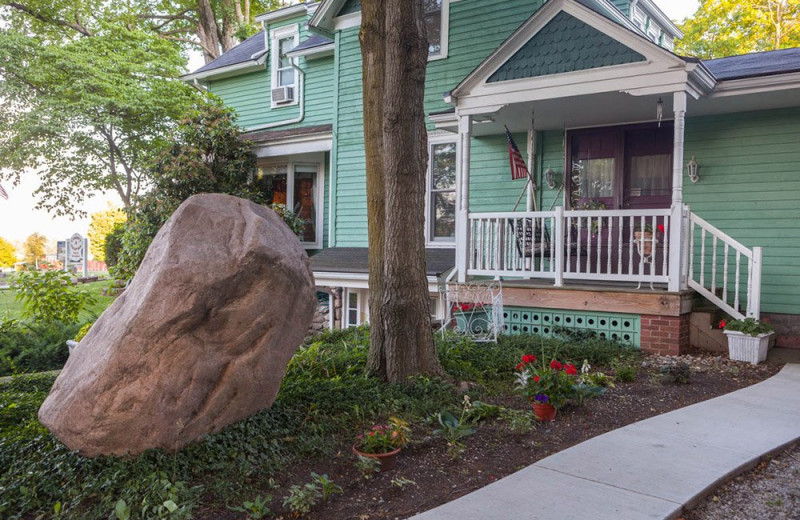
(284, 77)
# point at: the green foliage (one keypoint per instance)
(383, 438)
(8, 253)
(34, 346)
(519, 421)
(255, 509)
(206, 155)
(328, 487)
(83, 331)
(727, 27)
(625, 370)
(676, 372)
(88, 109)
(545, 382)
(582, 392)
(454, 429)
(749, 326)
(301, 499)
(47, 296)
(367, 466)
(113, 244)
(103, 223)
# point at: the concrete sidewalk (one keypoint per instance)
(647, 470)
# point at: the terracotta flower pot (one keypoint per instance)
(544, 412)
(387, 460)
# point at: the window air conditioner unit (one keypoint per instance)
(282, 95)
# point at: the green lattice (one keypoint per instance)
(625, 328)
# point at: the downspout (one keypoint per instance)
(301, 82)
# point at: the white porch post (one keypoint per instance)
(676, 278)
(462, 196)
(529, 204)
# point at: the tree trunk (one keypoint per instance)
(407, 347)
(207, 30)
(372, 68)
(226, 35)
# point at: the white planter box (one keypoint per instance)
(743, 347)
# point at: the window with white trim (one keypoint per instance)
(283, 40)
(298, 186)
(353, 310)
(433, 24)
(441, 203)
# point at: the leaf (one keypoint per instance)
(171, 506)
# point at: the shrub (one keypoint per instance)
(113, 245)
(47, 296)
(33, 346)
(676, 372)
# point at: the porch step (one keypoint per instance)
(703, 331)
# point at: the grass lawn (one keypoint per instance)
(12, 309)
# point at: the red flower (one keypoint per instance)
(571, 370)
(555, 365)
(520, 366)
(722, 324)
(536, 379)
(527, 358)
(660, 228)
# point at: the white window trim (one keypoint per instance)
(429, 240)
(275, 36)
(348, 21)
(319, 188)
(358, 308)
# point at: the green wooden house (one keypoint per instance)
(661, 185)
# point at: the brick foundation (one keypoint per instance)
(665, 335)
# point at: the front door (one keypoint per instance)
(621, 167)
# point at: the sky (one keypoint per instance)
(18, 218)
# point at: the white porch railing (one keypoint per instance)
(561, 245)
(724, 271)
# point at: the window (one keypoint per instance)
(352, 309)
(433, 24)
(283, 40)
(297, 186)
(442, 192)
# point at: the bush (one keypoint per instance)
(47, 296)
(113, 244)
(34, 347)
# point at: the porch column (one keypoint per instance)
(462, 196)
(676, 278)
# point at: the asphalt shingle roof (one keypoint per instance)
(240, 54)
(354, 260)
(755, 64)
(312, 41)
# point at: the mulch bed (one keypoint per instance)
(494, 451)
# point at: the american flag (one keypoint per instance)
(518, 168)
(3, 192)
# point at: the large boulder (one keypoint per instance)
(200, 339)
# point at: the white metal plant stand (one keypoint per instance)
(474, 309)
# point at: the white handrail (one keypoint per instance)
(746, 261)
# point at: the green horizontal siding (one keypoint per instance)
(749, 167)
(249, 94)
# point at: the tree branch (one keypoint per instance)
(76, 26)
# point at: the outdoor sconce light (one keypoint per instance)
(549, 177)
(692, 169)
(659, 111)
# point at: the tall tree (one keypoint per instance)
(33, 249)
(395, 49)
(729, 27)
(85, 105)
(103, 223)
(8, 253)
(212, 26)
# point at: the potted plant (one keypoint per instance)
(748, 339)
(643, 236)
(547, 386)
(383, 442)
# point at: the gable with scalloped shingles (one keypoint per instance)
(565, 44)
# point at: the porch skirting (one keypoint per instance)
(663, 316)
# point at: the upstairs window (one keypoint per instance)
(283, 40)
(433, 24)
